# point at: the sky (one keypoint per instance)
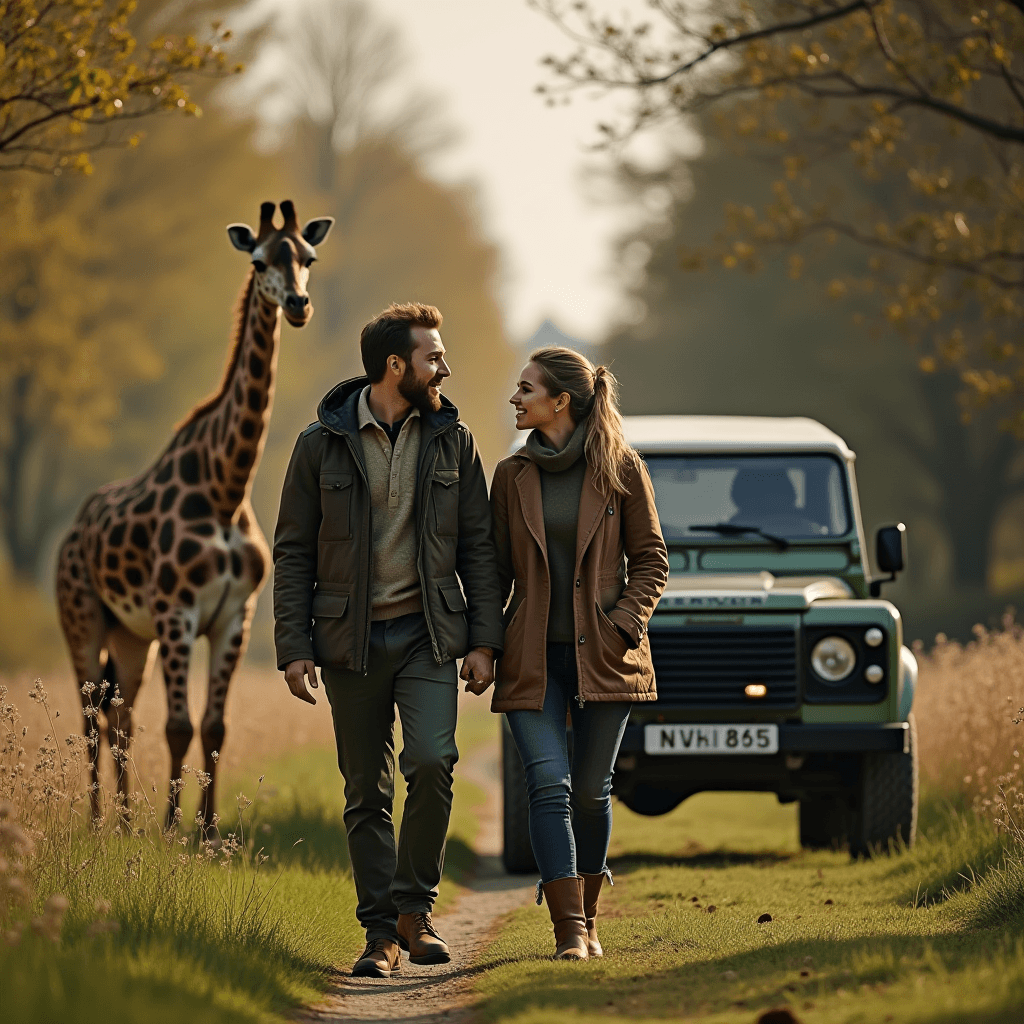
(527, 160)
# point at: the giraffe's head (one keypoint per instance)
(281, 258)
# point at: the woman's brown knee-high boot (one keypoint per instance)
(591, 896)
(565, 904)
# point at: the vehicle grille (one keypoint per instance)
(710, 667)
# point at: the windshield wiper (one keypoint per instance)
(734, 530)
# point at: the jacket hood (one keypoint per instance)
(338, 409)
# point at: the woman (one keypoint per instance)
(570, 509)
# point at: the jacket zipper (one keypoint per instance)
(419, 554)
(369, 568)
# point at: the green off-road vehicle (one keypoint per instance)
(779, 668)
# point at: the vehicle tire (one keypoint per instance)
(824, 823)
(517, 853)
(888, 807)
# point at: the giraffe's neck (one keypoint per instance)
(236, 424)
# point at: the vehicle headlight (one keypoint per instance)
(833, 658)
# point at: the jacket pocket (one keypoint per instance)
(333, 628)
(511, 658)
(445, 497)
(450, 628)
(336, 506)
(452, 594)
(615, 641)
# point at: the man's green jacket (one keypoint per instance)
(323, 557)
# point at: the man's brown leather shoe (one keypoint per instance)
(380, 958)
(416, 935)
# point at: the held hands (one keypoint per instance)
(295, 676)
(477, 670)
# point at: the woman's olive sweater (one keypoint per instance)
(561, 482)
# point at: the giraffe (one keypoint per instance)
(175, 553)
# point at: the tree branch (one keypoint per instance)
(762, 33)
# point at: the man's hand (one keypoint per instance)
(478, 670)
(295, 676)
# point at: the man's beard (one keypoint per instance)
(417, 393)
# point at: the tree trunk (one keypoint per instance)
(15, 460)
(972, 466)
(30, 507)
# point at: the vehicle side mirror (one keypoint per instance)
(891, 548)
(890, 554)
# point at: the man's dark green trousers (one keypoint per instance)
(404, 673)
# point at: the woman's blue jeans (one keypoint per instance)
(570, 804)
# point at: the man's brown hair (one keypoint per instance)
(389, 333)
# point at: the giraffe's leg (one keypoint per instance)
(176, 631)
(127, 654)
(84, 622)
(227, 646)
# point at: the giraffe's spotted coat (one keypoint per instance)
(175, 553)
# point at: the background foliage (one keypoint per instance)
(122, 281)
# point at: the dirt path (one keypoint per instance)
(425, 995)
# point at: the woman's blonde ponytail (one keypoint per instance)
(593, 395)
(605, 445)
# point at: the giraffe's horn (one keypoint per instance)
(266, 219)
(288, 212)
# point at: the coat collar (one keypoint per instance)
(339, 409)
(593, 505)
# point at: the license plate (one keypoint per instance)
(711, 739)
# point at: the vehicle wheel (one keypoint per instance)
(517, 853)
(889, 791)
(824, 823)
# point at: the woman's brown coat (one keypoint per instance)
(613, 528)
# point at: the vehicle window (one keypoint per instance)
(788, 496)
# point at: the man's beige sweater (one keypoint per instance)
(395, 588)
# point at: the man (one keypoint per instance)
(384, 513)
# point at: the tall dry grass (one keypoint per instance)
(125, 920)
(970, 715)
(54, 859)
(263, 720)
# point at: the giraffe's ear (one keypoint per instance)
(242, 237)
(317, 230)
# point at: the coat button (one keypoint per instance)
(577, 583)
(583, 639)
(611, 510)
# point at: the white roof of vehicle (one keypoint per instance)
(732, 434)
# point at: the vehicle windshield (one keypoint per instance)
(784, 496)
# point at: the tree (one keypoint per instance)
(74, 79)
(117, 314)
(334, 66)
(924, 99)
(749, 344)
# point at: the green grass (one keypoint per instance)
(898, 938)
(205, 942)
